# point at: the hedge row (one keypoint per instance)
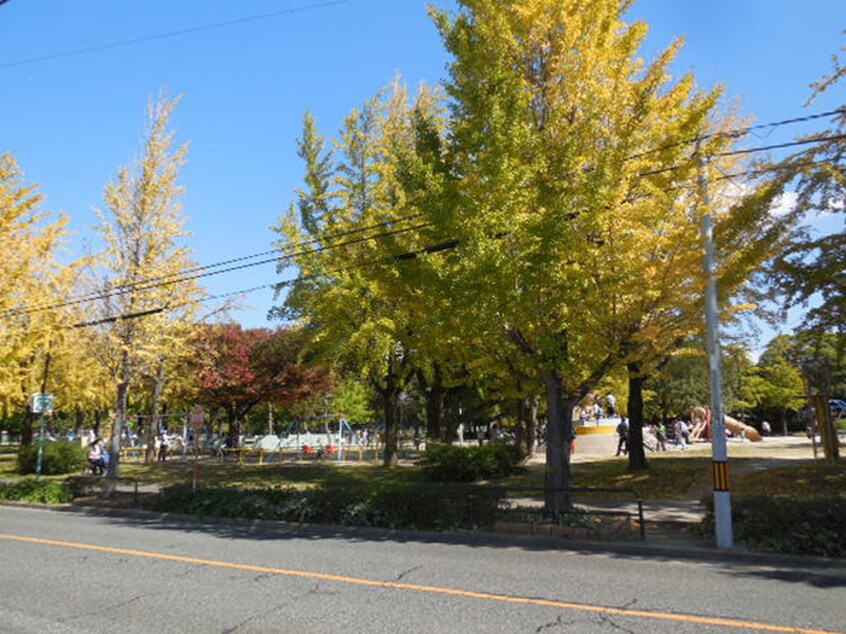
(392, 507)
(788, 525)
(58, 457)
(451, 463)
(36, 491)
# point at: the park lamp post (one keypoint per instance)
(719, 451)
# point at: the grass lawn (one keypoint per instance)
(806, 480)
(670, 476)
(8, 465)
(285, 474)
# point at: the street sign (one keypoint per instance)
(41, 403)
(198, 417)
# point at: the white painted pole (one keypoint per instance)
(719, 451)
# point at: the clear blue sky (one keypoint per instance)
(71, 121)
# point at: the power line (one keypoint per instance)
(738, 132)
(773, 168)
(108, 320)
(151, 282)
(391, 259)
(777, 146)
(284, 253)
(187, 278)
(753, 150)
(171, 34)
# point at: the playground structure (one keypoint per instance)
(300, 441)
(700, 419)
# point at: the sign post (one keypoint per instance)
(198, 419)
(41, 404)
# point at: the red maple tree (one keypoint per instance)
(241, 368)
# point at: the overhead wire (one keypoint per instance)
(204, 270)
(126, 288)
(737, 132)
(187, 275)
(171, 34)
(744, 151)
(187, 278)
(206, 273)
(390, 259)
(434, 248)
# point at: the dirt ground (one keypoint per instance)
(590, 448)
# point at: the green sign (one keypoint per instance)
(41, 403)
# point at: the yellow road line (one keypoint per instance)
(485, 596)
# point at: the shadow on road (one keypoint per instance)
(816, 572)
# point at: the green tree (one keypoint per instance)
(352, 398)
(820, 357)
(810, 271)
(783, 388)
(341, 304)
(569, 153)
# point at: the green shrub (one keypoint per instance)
(450, 463)
(59, 457)
(36, 491)
(788, 525)
(435, 508)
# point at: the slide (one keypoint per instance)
(738, 430)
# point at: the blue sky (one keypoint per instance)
(71, 121)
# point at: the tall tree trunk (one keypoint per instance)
(532, 425)
(98, 415)
(637, 454)
(528, 414)
(828, 430)
(120, 417)
(390, 403)
(155, 406)
(522, 423)
(78, 420)
(435, 404)
(27, 431)
(559, 434)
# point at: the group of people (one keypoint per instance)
(681, 435)
(98, 459)
(593, 408)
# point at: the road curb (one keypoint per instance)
(688, 551)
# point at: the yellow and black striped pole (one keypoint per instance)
(722, 480)
(722, 496)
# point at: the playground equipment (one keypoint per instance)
(700, 418)
(299, 438)
(742, 431)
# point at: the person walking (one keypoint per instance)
(163, 447)
(661, 435)
(623, 437)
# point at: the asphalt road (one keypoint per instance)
(72, 571)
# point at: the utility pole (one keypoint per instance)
(719, 451)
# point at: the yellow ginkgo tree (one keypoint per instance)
(29, 275)
(145, 292)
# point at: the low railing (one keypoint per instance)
(82, 484)
(528, 504)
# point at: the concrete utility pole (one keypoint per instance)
(719, 451)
